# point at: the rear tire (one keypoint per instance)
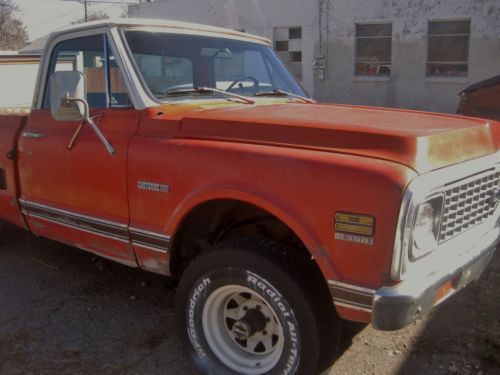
(240, 311)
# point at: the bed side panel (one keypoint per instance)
(10, 126)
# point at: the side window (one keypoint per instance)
(119, 95)
(87, 55)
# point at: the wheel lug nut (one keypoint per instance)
(258, 307)
(268, 320)
(264, 333)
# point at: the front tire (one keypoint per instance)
(243, 312)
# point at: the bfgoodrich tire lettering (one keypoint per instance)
(239, 312)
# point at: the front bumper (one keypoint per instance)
(394, 307)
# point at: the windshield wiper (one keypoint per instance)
(206, 90)
(284, 93)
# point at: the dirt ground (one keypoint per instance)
(64, 311)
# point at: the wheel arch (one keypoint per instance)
(210, 214)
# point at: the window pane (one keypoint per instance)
(448, 48)
(295, 33)
(183, 61)
(383, 29)
(246, 68)
(437, 69)
(296, 56)
(373, 69)
(87, 56)
(163, 73)
(119, 95)
(177, 72)
(449, 27)
(282, 45)
(373, 50)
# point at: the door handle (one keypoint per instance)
(33, 135)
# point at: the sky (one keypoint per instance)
(44, 16)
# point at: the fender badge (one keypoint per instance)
(152, 186)
(354, 238)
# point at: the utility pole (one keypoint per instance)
(86, 3)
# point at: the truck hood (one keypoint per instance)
(419, 140)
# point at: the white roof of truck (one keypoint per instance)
(142, 23)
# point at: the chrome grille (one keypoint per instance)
(468, 203)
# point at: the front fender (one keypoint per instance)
(284, 211)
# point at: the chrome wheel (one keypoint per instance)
(242, 329)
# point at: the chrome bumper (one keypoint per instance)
(395, 307)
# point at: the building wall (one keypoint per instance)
(328, 30)
(408, 86)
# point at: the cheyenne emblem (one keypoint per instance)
(151, 186)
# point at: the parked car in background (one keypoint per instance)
(481, 99)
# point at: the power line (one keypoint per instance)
(57, 17)
(90, 2)
(86, 3)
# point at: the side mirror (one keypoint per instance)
(67, 96)
(67, 103)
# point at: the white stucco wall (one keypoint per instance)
(408, 87)
(328, 29)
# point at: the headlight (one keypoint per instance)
(425, 235)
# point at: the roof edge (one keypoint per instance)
(153, 22)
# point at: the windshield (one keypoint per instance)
(171, 63)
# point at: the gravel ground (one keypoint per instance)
(66, 311)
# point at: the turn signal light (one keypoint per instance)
(354, 223)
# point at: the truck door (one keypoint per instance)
(76, 192)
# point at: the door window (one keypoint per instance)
(104, 83)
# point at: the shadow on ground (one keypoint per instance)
(66, 311)
(462, 336)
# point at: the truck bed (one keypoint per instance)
(12, 120)
(15, 111)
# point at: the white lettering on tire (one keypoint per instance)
(266, 289)
(195, 296)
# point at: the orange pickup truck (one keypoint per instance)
(190, 151)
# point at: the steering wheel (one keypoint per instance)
(255, 86)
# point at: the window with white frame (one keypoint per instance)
(448, 48)
(373, 49)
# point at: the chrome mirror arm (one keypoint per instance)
(86, 117)
(101, 136)
(75, 135)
